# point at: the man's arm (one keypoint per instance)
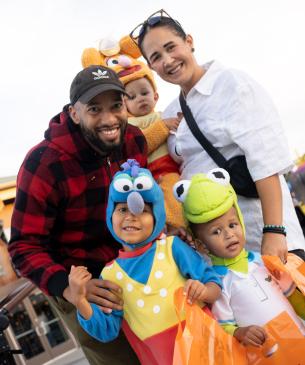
(33, 219)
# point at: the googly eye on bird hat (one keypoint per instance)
(136, 186)
(207, 196)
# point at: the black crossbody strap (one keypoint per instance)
(216, 156)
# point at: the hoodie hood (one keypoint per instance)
(136, 186)
(67, 137)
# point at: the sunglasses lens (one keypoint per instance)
(154, 20)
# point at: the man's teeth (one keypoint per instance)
(109, 132)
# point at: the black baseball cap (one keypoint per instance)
(92, 81)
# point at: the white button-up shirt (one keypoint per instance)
(254, 298)
(238, 117)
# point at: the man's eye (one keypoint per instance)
(93, 109)
(118, 106)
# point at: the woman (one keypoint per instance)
(238, 118)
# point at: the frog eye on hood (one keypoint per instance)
(181, 189)
(219, 175)
(112, 62)
(123, 185)
(142, 183)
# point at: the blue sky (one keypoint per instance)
(42, 41)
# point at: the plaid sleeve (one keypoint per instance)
(33, 218)
(136, 145)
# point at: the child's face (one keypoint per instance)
(142, 97)
(223, 236)
(132, 228)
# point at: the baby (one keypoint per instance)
(141, 101)
(251, 296)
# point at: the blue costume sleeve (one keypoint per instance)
(192, 265)
(104, 327)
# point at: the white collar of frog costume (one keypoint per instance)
(136, 186)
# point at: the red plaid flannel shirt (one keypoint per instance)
(59, 217)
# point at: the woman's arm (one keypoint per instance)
(270, 194)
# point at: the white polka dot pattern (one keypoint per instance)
(160, 256)
(147, 289)
(140, 303)
(158, 274)
(119, 275)
(163, 292)
(129, 287)
(156, 309)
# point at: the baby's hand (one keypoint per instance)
(172, 123)
(78, 278)
(251, 335)
(195, 291)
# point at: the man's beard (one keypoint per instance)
(103, 148)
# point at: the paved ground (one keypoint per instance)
(73, 357)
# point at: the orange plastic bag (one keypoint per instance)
(203, 341)
(295, 267)
(285, 344)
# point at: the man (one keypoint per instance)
(59, 217)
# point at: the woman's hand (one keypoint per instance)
(275, 244)
(172, 123)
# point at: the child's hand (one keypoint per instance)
(172, 123)
(78, 278)
(194, 290)
(251, 335)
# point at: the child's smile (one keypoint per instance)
(132, 228)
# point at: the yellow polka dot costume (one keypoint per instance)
(148, 274)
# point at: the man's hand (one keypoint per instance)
(105, 294)
(275, 244)
(251, 335)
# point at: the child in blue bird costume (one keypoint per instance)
(149, 268)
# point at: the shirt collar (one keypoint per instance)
(206, 84)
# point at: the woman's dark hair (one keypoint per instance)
(162, 22)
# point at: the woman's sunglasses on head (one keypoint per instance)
(151, 21)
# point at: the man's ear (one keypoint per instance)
(156, 96)
(74, 115)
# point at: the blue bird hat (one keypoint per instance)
(136, 186)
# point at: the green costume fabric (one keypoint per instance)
(207, 196)
(238, 263)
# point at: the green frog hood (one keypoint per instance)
(207, 196)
